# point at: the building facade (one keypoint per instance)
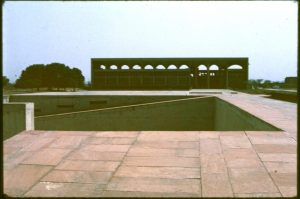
(168, 73)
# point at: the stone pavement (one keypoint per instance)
(188, 164)
(161, 163)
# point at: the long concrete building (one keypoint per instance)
(168, 73)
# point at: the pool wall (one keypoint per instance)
(47, 104)
(179, 115)
(231, 118)
(190, 114)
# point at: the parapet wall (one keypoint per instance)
(17, 117)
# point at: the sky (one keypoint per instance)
(74, 32)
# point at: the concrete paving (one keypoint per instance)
(159, 163)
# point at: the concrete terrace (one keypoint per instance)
(160, 163)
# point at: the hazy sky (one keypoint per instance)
(74, 32)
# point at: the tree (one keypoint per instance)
(5, 81)
(76, 79)
(54, 75)
(57, 75)
(32, 77)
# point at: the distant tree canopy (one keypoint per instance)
(5, 81)
(255, 83)
(54, 75)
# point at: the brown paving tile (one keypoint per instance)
(187, 153)
(20, 141)
(77, 176)
(158, 172)
(18, 180)
(12, 161)
(155, 185)
(257, 195)
(77, 165)
(38, 144)
(191, 136)
(105, 140)
(288, 191)
(128, 134)
(265, 133)
(242, 158)
(275, 148)
(281, 167)
(210, 146)
(280, 138)
(216, 185)
(244, 163)
(285, 179)
(50, 189)
(146, 194)
(162, 161)
(47, 156)
(69, 133)
(249, 180)
(9, 149)
(142, 151)
(232, 133)
(277, 157)
(213, 163)
(96, 155)
(239, 153)
(168, 144)
(67, 142)
(106, 148)
(209, 135)
(238, 141)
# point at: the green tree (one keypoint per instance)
(57, 75)
(5, 81)
(32, 77)
(76, 79)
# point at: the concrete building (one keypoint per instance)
(168, 73)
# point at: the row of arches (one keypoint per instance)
(170, 67)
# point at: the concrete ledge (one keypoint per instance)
(17, 117)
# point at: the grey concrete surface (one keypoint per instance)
(17, 117)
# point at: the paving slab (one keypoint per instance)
(216, 185)
(21, 178)
(52, 189)
(77, 176)
(155, 185)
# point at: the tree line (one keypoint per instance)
(54, 75)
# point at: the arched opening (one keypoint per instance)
(113, 67)
(102, 67)
(214, 67)
(172, 67)
(184, 67)
(148, 67)
(125, 67)
(235, 67)
(234, 76)
(202, 67)
(136, 67)
(160, 67)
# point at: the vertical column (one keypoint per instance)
(226, 78)
(195, 76)
(208, 76)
